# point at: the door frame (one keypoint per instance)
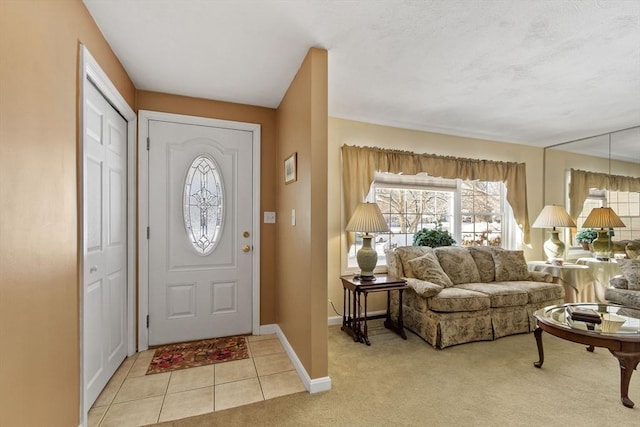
(144, 116)
(91, 73)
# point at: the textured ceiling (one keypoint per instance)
(530, 72)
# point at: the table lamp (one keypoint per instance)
(367, 218)
(602, 218)
(553, 216)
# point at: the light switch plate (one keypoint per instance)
(293, 217)
(269, 217)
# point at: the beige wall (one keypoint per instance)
(302, 249)
(348, 132)
(266, 118)
(39, 293)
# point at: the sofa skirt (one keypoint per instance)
(509, 321)
(447, 329)
(444, 329)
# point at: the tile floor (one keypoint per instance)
(132, 398)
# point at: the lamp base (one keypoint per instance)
(367, 258)
(602, 245)
(553, 248)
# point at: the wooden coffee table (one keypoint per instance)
(623, 344)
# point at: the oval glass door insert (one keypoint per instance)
(203, 204)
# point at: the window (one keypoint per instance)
(482, 206)
(473, 212)
(203, 205)
(627, 205)
(624, 203)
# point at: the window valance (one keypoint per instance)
(582, 181)
(359, 165)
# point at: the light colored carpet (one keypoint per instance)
(408, 383)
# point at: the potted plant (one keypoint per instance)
(586, 236)
(434, 238)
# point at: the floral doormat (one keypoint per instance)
(198, 353)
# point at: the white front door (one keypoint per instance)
(200, 231)
(105, 242)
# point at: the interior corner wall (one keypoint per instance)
(266, 118)
(348, 132)
(39, 283)
(302, 248)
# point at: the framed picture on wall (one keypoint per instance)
(290, 168)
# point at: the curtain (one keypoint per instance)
(359, 165)
(582, 181)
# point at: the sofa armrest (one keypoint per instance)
(619, 282)
(423, 288)
(540, 276)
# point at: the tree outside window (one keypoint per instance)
(472, 211)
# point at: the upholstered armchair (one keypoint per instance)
(624, 289)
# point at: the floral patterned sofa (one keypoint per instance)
(458, 295)
(624, 289)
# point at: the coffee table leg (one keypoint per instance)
(538, 334)
(628, 362)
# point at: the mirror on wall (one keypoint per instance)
(617, 153)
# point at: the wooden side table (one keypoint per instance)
(354, 318)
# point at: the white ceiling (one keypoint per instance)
(530, 72)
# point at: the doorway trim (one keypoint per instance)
(91, 73)
(144, 116)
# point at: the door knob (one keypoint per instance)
(246, 248)
(93, 269)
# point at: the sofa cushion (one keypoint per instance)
(631, 270)
(456, 299)
(407, 253)
(510, 265)
(482, 256)
(633, 249)
(428, 268)
(538, 291)
(501, 295)
(540, 276)
(458, 263)
(625, 297)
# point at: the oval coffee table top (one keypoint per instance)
(558, 316)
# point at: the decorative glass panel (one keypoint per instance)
(203, 204)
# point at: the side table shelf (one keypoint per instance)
(354, 317)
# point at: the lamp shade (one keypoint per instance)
(553, 216)
(367, 218)
(602, 218)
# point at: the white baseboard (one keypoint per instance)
(337, 320)
(315, 385)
